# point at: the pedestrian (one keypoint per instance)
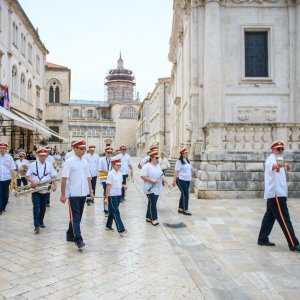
(276, 192)
(40, 171)
(105, 167)
(51, 160)
(94, 163)
(182, 177)
(114, 185)
(70, 153)
(164, 163)
(153, 177)
(125, 167)
(76, 185)
(22, 168)
(7, 175)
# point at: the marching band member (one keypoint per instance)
(39, 171)
(145, 160)
(125, 167)
(94, 165)
(114, 185)
(50, 159)
(153, 176)
(106, 166)
(7, 174)
(22, 164)
(76, 185)
(182, 177)
(118, 151)
(276, 192)
(71, 153)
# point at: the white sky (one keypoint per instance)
(87, 36)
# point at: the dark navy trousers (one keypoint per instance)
(184, 190)
(151, 208)
(76, 207)
(22, 180)
(114, 213)
(277, 210)
(39, 208)
(104, 191)
(4, 193)
(124, 182)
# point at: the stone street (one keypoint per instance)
(210, 255)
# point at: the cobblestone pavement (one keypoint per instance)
(210, 255)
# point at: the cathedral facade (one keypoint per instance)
(100, 123)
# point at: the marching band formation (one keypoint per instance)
(79, 180)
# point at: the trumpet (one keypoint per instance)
(41, 186)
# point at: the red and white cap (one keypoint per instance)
(47, 148)
(116, 161)
(3, 145)
(22, 153)
(183, 150)
(123, 147)
(108, 149)
(277, 144)
(92, 147)
(153, 148)
(154, 154)
(80, 143)
(42, 151)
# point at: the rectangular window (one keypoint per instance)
(54, 138)
(256, 54)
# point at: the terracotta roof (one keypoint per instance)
(50, 65)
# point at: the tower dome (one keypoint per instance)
(120, 83)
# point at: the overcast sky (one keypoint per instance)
(87, 36)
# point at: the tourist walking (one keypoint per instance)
(276, 192)
(153, 177)
(182, 177)
(76, 185)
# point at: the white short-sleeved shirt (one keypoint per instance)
(185, 171)
(69, 154)
(153, 172)
(50, 159)
(20, 163)
(41, 172)
(6, 165)
(94, 163)
(115, 179)
(126, 161)
(275, 182)
(164, 163)
(145, 160)
(77, 171)
(105, 165)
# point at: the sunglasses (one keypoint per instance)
(81, 148)
(280, 149)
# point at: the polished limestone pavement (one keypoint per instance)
(210, 255)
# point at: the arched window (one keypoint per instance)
(29, 91)
(54, 92)
(14, 79)
(76, 113)
(128, 112)
(22, 86)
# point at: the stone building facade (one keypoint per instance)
(235, 88)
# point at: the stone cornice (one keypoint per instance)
(257, 1)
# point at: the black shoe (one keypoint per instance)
(88, 202)
(37, 230)
(42, 226)
(148, 220)
(187, 213)
(155, 223)
(265, 243)
(70, 239)
(92, 201)
(109, 229)
(80, 245)
(180, 210)
(296, 248)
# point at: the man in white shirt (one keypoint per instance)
(71, 153)
(94, 165)
(76, 185)
(125, 167)
(7, 174)
(50, 159)
(106, 166)
(276, 193)
(22, 166)
(40, 171)
(113, 197)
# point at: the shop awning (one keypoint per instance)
(16, 119)
(40, 127)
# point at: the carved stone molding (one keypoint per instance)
(257, 1)
(256, 114)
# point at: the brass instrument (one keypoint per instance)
(102, 174)
(41, 186)
(23, 170)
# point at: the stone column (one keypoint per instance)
(297, 65)
(212, 67)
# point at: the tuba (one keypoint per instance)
(23, 170)
(102, 174)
